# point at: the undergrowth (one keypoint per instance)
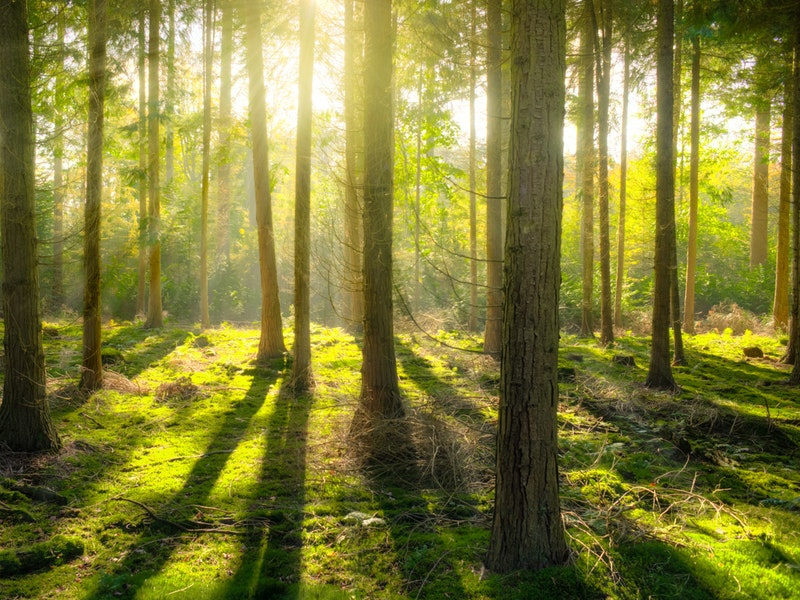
(197, 474)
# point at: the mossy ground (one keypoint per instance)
(198, 474)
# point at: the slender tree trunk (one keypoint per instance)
(380, 391)
(25, 423)
(225, 121)
(418, 194)
(623, 188)
(141, 289)
(473, 201)
(92, 366)
(694, 191)
(58, 172)
(660, 371)
(492, 335)
(270, 344)
(677, 98)
(301, 373)
(169, 100)
(154, 317)
(760, 206)
(208, 63)
(794, 337)
(603, 52)
(353, 238)
(585, 160)
(527, 532)
(780, 303)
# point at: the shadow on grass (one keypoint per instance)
(142, 347)
(132, 573)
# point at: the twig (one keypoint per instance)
(199, 529)
(92, 419)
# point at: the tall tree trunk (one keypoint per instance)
(660, 371)
(794, 336)
(780, 303)
(169, 100)
(301, 366)
(623, 187)
(418, 193)
(92, 366)
(492, 335)
(270, 344)
(58, 171)
(141, 185)
(585, 160)
(760, 205)
(208, 62)
(225, 121)
(677, 97)
(154, 317)
(694, 191)
(473, 201)
(603, 52)
(353, 238)
(527, 531)
(380, 391)
(25, 423)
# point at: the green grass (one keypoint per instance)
(197, 474)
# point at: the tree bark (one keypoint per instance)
(270, 344)
(527, 531)
(794, 343)
(623, 188)
(694, 191)
(224, 160)
(92, 366)
(660, 370)
(25, 423)
(208, 63)
(473, 201)
(492, 335)
(58, 172)
(141, 290)
(301, 366)
(780, 303)
(169, 100)
(760, 205)
(585, 163)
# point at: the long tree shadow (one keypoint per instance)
(139, 348)
(272, 561)
(136, 568)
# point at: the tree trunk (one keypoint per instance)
(270, 344)
(794, 343)
(760, 206)
(660, 371)
(418, 193)
(585, 163)
(154, 317)
(25, 423)
(353, 238)
(208, 63)
(380, 392)
(169, 100)
(473, 201)
(92, 366)
(527, 531)
(492, 335)
(694, 191)
(58, 172)
(780, 303)
(141, 289)
(623, 188)
(224, 160)
(301, 366)
(603, 52)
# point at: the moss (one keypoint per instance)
(57, 550)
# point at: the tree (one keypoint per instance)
(380, 390)
(659, 375)
(208, 62)
(141, 187)
(92, 366)
(225, 106)
(473, 200)
(585, 163)
(780, 303)
(270, 343)
(623, 184)
(794, 338)
(301, 367)
(760, 207)
(154, 317)
(527, 532)
(25, 423)
(58, 169)
(492, 335)
(694, 189)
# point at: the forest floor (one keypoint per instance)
(198, 474)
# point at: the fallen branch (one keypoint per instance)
(193, 527)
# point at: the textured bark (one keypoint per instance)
(57, 301)
(225, 121)
(301, 366)
(623, 188)
(780, 302)
(527, 531)
(92, 365)
(25, 423)
(659, 375)
(694, 191)
(353, 236)
(141, 289)
(586, 163)
(473, 200)
(492, 335)
(380, 392)
(270, 343)
(154, 317)
(794, 338)
(208, 62)
(760, 206)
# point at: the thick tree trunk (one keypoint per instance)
(224, 160)
(780, 303)
(585, 160)
(380, 391)
(270, 344)
(141, 290)
(208, 62)
(694, 191)
(660, 371)
(92, 366)
(794, 344)
(492, 335)
(527, 531)
(760, 205)
(623, 188)
(301, 366)
(25, 423)
(154, 317)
